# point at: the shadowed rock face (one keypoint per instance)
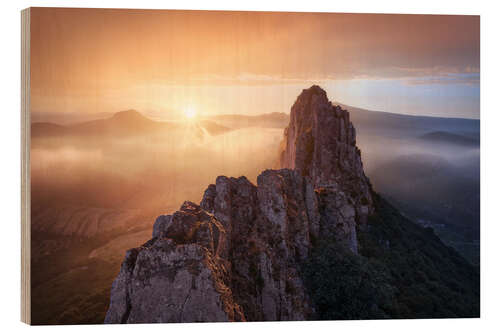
(237, 255)
(320, 142)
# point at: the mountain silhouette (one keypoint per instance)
(124, 123)
(450, 138)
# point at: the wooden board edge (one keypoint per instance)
(25, 168)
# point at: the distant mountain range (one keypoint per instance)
(449, 130)
(384, 124)
(124, 123)
(387, 120)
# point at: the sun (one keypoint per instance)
(190, 113)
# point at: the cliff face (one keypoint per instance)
(320, 143)
(234, 257)
(240, 254)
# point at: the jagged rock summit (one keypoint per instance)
(239, 255)
(320, 143)
(236, 256)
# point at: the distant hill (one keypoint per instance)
(47, 129)
(121, 123)
(124, 123)
(389, 124)
(449, 138)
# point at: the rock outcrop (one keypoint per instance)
(237, 255)
(320, 142)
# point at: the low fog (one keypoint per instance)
(152, 173)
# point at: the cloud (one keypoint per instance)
(452, 78)
(408, 76)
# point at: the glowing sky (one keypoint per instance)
(164, 62)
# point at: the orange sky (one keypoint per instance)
(95, 60)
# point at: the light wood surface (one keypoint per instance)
(25, 169)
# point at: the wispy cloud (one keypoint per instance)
(409, 76)
(461, 78)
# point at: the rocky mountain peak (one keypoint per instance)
(318, 138)
(237, 255)
(320, 142)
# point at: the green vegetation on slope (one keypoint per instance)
(402, 271)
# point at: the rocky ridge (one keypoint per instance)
(237, 256)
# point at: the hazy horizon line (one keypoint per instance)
(85, 117)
